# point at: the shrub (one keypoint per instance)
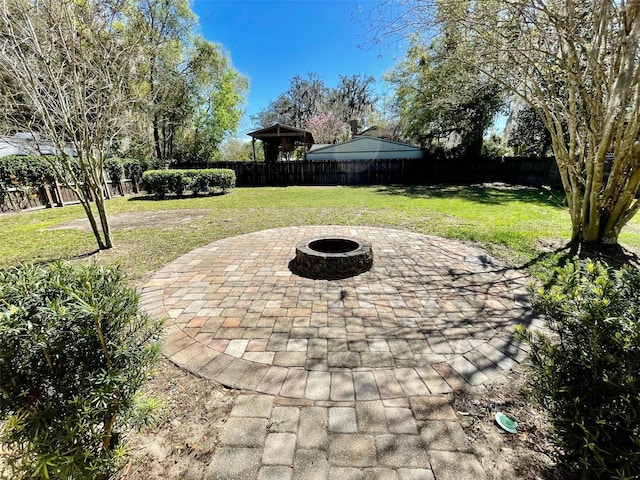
(74, 350)
(115, 169)
(161, 182)
(587, 370)
(158, 182)
(206, 180)
(224, 178)
(178, 181)
(24, 172)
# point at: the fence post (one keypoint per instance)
(47, 193)
(106, 184)
(58, 192)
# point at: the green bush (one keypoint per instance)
(223, 178)
(115, 169)
(162, 182)
(24, 172)
(158, 182)
(74, 350)
(132, 168)
(587, 369)
(206, 180)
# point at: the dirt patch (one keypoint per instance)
(182, 445)
(529, 454)
(129, 221)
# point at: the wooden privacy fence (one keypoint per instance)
(54, 194)
(427, 171)
(516, 170)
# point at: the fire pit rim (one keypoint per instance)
(359, 244)
(331, 265)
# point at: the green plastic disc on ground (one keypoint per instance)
(506, 423)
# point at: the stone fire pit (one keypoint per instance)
(332, 257)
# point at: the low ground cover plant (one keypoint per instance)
(162, 182)
(587, 369)
(74, 351)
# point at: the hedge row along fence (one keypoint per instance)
(29, 181)
(162, 182)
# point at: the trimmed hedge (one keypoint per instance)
(162, 182)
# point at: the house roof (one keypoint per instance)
(25, 143)
(368, 147)
(376, 131)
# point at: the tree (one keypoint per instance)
(442, 96)
(70, 65)
(194, 94)
(304, 98)
(216, 95)
(165, 26)
(327, 128)
(234, 150)
(577, 65)
(528, 134)
(353, 98)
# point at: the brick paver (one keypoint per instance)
(345, 379)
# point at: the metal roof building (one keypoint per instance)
(364, 148)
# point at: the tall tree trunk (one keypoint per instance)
(104, 222)
(94, 225)
(156, 137)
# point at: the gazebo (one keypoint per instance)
(280, 138)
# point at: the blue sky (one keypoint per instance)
(270, 41)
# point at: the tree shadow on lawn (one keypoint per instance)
(146, 198)
(490, 194)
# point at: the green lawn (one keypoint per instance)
(508, 223)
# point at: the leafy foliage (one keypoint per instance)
(162, 182)
(74, 350)
(442, 97)
(352, 98)
(195, 95)
(494, 147)
(80, 100)
(19, 171)
(587, 371)
(134, 167)
(529, 135)
(115, 169)
(576, 65)
(234, 150)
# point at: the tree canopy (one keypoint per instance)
(442, 97)
(195, 96)
(97, 78)
(354, 98)
(577, 65)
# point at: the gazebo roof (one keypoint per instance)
(279, 131)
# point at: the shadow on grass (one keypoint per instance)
(153, 198)
(44, 262)
(492, 195)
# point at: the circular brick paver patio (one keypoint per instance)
(431, 315)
